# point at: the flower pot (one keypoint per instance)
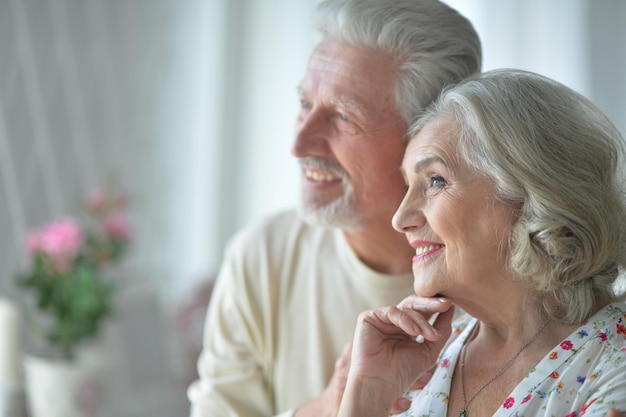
(60, 388)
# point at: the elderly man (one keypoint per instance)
(290, 289)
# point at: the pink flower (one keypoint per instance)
(509, 402)
(572, 414)
(566, 345)
(62, 237)
(586, 406)
(61, 241)
(116, 225)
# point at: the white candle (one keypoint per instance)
(9, 343)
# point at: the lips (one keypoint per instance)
(422, 250)
(428, 248)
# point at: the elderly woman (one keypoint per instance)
(515, 209)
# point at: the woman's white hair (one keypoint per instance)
(432, 44)
(555, 154)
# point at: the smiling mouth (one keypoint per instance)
(422, 252)
(426, 249)
(319, 176)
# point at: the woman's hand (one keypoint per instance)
(387, 359)
(402, 404)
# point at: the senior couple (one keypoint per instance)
(507, 190)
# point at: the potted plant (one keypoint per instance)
(70, 293)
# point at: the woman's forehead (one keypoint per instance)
(439, 137)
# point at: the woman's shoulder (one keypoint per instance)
(609, 326)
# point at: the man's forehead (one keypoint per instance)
(335, 55)
(349, 77)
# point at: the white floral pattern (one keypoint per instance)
(584, 375)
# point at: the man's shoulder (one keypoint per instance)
(277, 222)
(282, 228)
(282, 241)
(267, 256)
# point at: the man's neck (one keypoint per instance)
(384, 250)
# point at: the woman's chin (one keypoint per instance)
(420, 291)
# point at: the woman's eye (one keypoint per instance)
(305, 104)
(344, 117)
(436, 182)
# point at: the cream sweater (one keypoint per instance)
(284, 305)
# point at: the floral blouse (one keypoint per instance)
(584, 375)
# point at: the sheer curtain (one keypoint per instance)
(129, 91)
(123, 90)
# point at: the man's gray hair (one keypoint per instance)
(432, 44)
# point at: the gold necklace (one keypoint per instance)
(500, 371)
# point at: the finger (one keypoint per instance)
(337, 384)
(343, 362)
(425, 305)
(429, 307)
(347, 349)
(390, 320)
(422, 380)
(420, 338)
(418, 316)
(400, 404)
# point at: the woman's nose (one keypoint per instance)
(311, 135)
(409, 215)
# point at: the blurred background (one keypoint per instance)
(188, 107)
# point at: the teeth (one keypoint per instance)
(423, 249)
(317, 176)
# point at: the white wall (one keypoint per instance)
(274, 40)
(577, 42)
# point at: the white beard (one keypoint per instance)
(342, 213)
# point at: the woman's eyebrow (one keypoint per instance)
(429, 160)
(421, 164)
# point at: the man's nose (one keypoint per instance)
(311, 135)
